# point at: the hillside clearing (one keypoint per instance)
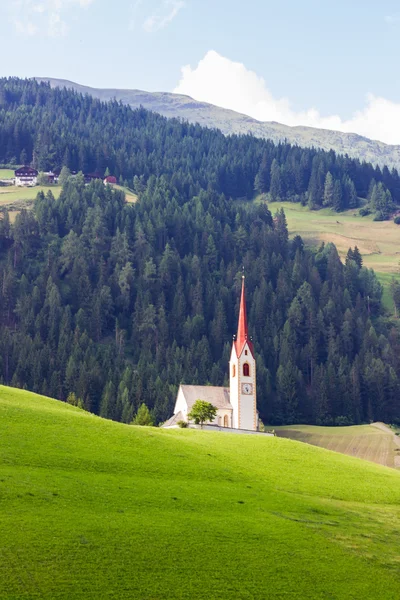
(368, 442)
(130, 196)
(97, 509)
(378, 241)
(6, 173)
(14, 199)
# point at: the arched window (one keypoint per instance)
(226, 421)
(246, 370)
(234, 371)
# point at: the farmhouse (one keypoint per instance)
(236, 405)
(26, 177)
(110, 180)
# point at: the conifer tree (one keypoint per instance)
(328, 190)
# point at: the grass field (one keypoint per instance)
(93, 509)
(130, 196)
(15, 198)
(364, 441)
(378, 242)
(6, 173)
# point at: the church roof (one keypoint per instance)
(243, 332)
(218, 396)
(174, 420)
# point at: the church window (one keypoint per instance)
(234, 371)
(246, 370)
(245, 352)
(226, 421)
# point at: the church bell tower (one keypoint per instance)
(242, 374)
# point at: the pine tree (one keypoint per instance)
(328, 190)
(262, 180)
(143, 417)
(337, 196)
(276, 181)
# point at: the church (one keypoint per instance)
(236, 405)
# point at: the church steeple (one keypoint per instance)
(242, 366)
(242, 332)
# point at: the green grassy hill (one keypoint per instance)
(376, 443)
(90, 508)
(378, 241)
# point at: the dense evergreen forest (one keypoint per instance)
(52, 128)
(120, 303)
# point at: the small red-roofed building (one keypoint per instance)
(110, 180)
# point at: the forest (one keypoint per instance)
(50, 128)
(118, 304)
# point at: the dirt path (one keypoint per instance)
(395, 438)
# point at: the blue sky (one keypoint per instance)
(309, 62)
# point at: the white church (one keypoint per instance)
(236, 405)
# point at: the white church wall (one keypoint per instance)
(220, 418)
(234, 387)
(248, 410)
(180, 404)
(244, 405)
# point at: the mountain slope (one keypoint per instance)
(96, 509)
(230, 122)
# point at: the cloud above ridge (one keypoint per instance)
(48, 17)
(223, 82)
(165, 14)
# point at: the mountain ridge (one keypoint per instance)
(230, 122)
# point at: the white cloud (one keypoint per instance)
(45, 17)
(163, 16)
(229, 84)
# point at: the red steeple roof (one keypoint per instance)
(242, 333)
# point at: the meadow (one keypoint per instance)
(6, 173)
(96, 509)
(130, 196)
(369, 442)
(378, 241)
(14, 199)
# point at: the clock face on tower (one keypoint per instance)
(247, 388)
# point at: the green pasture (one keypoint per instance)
(378, 241)
(14, 199)
(11, 194)
(6, 173)
(95, 509)
(130, 196)
(364, 441)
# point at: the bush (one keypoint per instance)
(183, 424)
(326, 421)
(379, 216)
(363, 212)
(343, 421)
(143, 417)
(397, 220)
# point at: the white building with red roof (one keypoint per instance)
(236, 405)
